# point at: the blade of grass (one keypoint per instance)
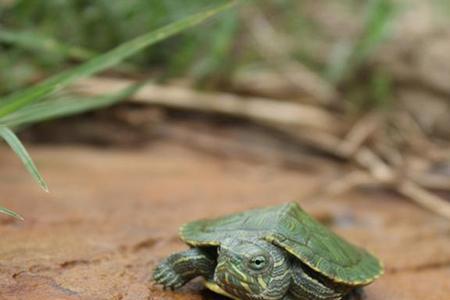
(22, 153)
(377, 28)
(10, 213)
(35, 41)
(104, 61)
(349, 56)
(73, 105)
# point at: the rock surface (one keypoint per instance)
(112, 215)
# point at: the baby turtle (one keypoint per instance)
(270, 253)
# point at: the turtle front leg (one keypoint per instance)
(179, 268)
(306, 287)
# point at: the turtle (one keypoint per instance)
(277, 252)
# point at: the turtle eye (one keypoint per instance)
(258, 262)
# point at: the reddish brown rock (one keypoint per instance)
(112, 215)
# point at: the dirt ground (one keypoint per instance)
(112, 215)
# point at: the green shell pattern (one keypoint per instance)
(291, 228)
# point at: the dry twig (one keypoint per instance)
(425, 199)
(309, 124)
(358, 135)
(293, 115)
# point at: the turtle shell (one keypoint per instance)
(290, 227)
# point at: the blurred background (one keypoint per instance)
(306, 100)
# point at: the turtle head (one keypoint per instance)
(252, 269)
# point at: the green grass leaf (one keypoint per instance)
(380, 14)
(68, 106)
(102, 62)
(37, 42)
(10, 213)
(351, 55)
(17, 109)
(22, 153)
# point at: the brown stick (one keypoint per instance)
(425, 198)
(264, 110)
(431, 181)
(363, 129)
(310, 124)
(386, 175)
